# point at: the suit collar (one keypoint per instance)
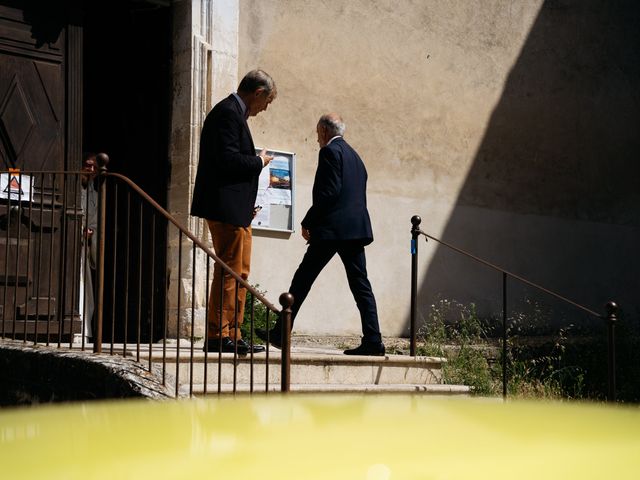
(337, 137)
(241, 104)
(236, 105)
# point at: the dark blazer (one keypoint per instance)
(339, 210)
(228, 167)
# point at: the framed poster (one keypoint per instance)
(276, 193)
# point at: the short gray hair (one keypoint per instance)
(333, 123)
(256, 79)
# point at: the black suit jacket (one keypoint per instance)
(339, 210)
(228, 167)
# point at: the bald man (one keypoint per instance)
(337, 222)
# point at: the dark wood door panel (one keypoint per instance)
(38, 268)
(31, 114)
(32, 28)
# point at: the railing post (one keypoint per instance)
(286, 300)
(612, 318)
(504, 336)
(415, 232)
(102, 160)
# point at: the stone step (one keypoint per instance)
(314, 368)
(429, 389)
(306, 368)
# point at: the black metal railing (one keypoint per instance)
(50, 276)
(610, 315)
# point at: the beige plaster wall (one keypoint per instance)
(502, 123)
(416, 83)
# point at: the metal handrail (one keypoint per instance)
(286, 300)
(194, 239)
(610, 317)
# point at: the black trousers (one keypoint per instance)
(353, 258)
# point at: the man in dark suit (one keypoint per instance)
(224, 194)
(337, 222)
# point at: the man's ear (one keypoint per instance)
(259, 92)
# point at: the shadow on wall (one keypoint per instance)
(554, 190)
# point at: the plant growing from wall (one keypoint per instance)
(259, 316)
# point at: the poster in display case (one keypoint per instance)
(276, 193)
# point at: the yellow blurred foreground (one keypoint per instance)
(320, 437)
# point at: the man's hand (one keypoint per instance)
(266, 159)
(306, 234)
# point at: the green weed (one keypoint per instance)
(474, 354)
(260, 317)
(455, 332)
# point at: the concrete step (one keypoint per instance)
(306, 368)
(429, 389)
(314, 368)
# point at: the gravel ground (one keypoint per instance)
(394, 344)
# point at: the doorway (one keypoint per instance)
(127, 101)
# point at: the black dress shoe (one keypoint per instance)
(275, 337)
(245, 345)
(226, 345)
(370, 349)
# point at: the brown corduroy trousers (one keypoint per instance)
(233, 245)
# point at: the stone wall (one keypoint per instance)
(205, 57)
(35, 374)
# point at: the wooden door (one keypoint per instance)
(39, 131)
